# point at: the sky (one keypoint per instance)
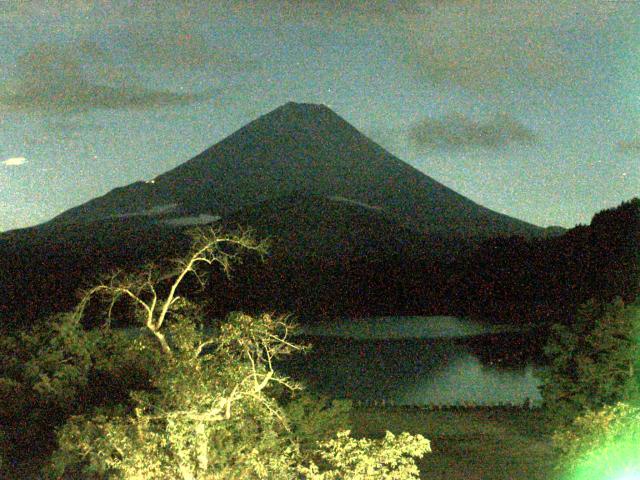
(529, 108)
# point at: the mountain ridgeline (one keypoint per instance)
(304, 149)
(354, 231)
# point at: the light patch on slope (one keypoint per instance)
(157, 210)
(201, 219)
(338, 198)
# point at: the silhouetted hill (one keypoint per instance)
(337, 228)
(316, 241)
(545, 279)
(303, 148)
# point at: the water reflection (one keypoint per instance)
(441, 370)
(467, 381)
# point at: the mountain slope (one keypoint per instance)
(316, 242)
(304, 148)
(337, 228)
(354, 228)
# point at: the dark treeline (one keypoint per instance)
(508, 280)
(42, 271)
(517, 280)
(505, 280)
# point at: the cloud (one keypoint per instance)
(176, 46)
(369, 8)
(630, 146)
(457, 130)
(161, 35)
(489, 46)
(50, 77)
(14, 161)
(485, 46)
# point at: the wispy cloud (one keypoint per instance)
(484, 46)
(493, 49)
(14, 161)
(490, 46)
(457, 130)
(50, 77)
(630, 146)
(176, 46)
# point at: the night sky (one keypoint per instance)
(530, 108)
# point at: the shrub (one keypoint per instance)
(601, 444)
(593, 362)
(58, 369)
(391, 458)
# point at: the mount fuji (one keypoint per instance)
(326, 194)
(302, 149)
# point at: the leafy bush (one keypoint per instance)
(391, 458)
(208, 412)
(313, 418)
(601, 444)
(58, 369)
(593, 362)
(594, 367)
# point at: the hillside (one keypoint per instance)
(302, 148)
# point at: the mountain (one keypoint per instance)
(322, 249)
(353, 228)
(337, 228)
(308, 149)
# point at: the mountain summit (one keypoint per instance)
(307, 149)
(354, 229)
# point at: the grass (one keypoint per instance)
(473, 444)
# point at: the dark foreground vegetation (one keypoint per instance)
(514, 280)
(193, 398)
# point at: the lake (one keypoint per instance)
(418, 361)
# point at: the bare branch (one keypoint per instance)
(203, 345)
(209, 247)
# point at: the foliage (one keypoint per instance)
(209, 413)
(314, 418)
(53, 362)
(391, 458)
(58, 369)
(214, 409)
(594, 361)
(56, 361)
(215, 415)
(600, 444)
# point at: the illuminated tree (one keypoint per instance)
(213, 410)
(144, 288)
(603, 444)
(603, 441)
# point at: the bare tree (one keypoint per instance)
(209, 247)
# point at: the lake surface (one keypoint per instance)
(418, 361)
